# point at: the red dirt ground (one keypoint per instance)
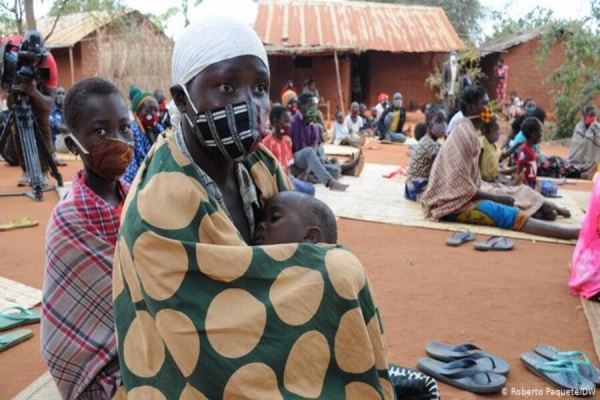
(506, 303)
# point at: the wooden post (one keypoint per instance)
(72, 65)
(339, 80)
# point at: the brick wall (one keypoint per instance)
(64, 65)
(524, 76)
(322, 71)
(403, 72)
(89, 57)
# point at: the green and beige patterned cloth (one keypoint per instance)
(201, 315)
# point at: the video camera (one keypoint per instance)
(22, 63)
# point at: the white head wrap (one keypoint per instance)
(208, 41)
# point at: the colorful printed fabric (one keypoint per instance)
(489, 213)
(527, 160)
(281, 150)
(501, 84)
(490, 158)
(422, 157)
(528, 200)
(77, 325)
(201, 315)
(142, 146)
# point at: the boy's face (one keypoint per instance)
(281, 222)
(494, 134)
(283, 123)
(104, 120)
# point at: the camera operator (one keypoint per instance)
(41, 95)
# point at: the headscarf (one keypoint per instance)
(209, 41)
(382, 97)
(138, 98)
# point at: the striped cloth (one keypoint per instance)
(77, 327)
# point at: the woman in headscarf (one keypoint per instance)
(145, 127)
(200, 313)
(456, 193)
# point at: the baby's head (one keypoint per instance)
(491, 130)
(293, 217)
(532, 129)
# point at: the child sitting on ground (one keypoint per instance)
(491, 156)
(292, 217)
(423, 154)
(342, 135)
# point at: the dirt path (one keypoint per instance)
(507, 302)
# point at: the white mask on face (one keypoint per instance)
(398, 103)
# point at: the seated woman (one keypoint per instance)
(77, 327)
(145, 126)
(455, 191)
(198, 312)
(585, 143)
(423, 154)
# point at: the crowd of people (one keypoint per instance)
(155, 281)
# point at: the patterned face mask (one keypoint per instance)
(108, 159)
(233, 130)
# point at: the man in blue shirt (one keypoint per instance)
(57, 122)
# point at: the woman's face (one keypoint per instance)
(236, 80)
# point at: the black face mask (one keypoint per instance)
(233, 130)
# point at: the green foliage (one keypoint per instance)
(66, 7)
(161, 20)
(465, 15)
(535, 18)
(469, 59)
(12, 17)
(577, 81)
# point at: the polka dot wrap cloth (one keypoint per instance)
(200, 315)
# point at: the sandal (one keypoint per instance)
(488, 362)
(18, 223)
(11, 339)
(10, 320)
(562, 374)
(463, 374)
(586, 369)
(495, 243)
(460, 237)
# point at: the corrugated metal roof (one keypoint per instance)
(72, 28)
(318, 25)
(502, 44)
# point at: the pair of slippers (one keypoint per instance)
(568, 370)
(12, 318)
(465, 366)
(494, 243)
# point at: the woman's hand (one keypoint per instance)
(506, 200)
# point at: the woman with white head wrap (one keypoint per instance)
(199, 313)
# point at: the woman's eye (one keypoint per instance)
(275, 218)
(125, 128)
(226, 88)
(260, 89)
(100, 132)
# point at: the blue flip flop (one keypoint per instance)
(10, 339)
(562, 374)
(586, 369)
(463, 374)
(10, 319)
(460, 237)
(495, 243)
(488, 362)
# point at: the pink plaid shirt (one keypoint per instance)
(77, 327)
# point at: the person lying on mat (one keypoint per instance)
(455, 191)
(199, 313)
(77, 326)
(423, 154)
(292, 217)
(280, 145)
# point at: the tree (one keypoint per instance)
(576, 82)
(66, 7)
(535, 18)
(465, 15)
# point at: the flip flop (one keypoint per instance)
(463, 374)
(18, 223)
(495, 243)
(459, 237)
(586, 369)
(10, 320)
(562, 374)
(11, 339)
(400, 171)
(488, 362)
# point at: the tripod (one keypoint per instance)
(33, 145)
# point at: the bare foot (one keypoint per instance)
(337, 186)
(563, 212)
